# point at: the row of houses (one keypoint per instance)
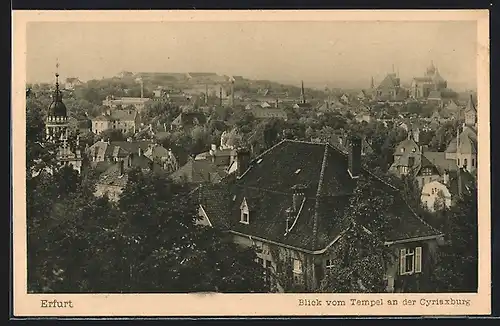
(441, 176)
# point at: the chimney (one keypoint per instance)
(242, 160)
(298, 194)
(121, 167)
(446, 177)
(276, 103)
(354, 157)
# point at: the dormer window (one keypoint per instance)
(245, 213)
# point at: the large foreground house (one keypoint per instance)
(291, 203)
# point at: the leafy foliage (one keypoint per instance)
(457, 261)
(360, 257)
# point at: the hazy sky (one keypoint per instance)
(343, 54)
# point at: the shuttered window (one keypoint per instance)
(410, 261)
(418, 260)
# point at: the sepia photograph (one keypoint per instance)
(334, 161)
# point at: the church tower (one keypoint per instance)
(57, 125)
(57, 131)
(302, 93)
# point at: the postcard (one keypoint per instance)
(251, 163)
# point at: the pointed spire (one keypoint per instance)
(372, 84)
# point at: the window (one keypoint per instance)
(410, 261)
(458, 162)
(465, 162)
(402, 150)
(244, 217)
(245, 214)
(404, 169)
(297, 266)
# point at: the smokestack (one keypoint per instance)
(242, 160)
(206, 93)
(220, 96)
(354, 157)
(232, 92)
(302, 94)
(276, 103)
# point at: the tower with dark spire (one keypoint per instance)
(372, 84)
(56, 125)
(57, 130)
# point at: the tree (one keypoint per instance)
(361, 258)
(457, 261)
(165, 250)
(359, 265)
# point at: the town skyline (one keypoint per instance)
(335, 57)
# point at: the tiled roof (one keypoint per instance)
(267, 183)
(390, 81)
(263, 113)
(123, 115)
(187, 119)
(423, 79)
(199, 171)
(434, 95)
(470, 105)
(112, 177)
(440, 161)
(467, 140)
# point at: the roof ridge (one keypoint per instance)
(260, 156)
(318, 193)
(418, 217)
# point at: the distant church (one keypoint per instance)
(57, 132)
(428, 85)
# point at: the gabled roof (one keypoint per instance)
(267, 185)
(390, 81)
(439, 160)
(467, 140)
(188, 119)
(199, 171)
(263, 113)
(434, 95)
(470, 105)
